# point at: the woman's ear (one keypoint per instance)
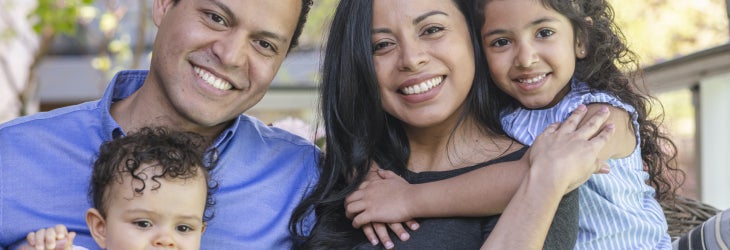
(581, 40)
(97, 226)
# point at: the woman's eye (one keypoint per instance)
(381, 45)
(433, 29)
(545, 33)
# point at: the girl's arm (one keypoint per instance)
(381, 201)
(531, 210)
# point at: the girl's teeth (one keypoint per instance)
(532, 80)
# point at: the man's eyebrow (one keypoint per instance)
(415, 21)
(229, 13)
(227, 10)
(274, 36)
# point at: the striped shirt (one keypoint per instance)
(617, 210)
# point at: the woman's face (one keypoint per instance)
(423, 59)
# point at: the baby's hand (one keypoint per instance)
(57, 238)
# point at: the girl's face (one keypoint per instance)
(531, 51)
(423, 59)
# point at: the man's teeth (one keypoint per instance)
(212, 79)
(532, 80)
(423, 87)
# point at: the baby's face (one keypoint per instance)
(169, 217)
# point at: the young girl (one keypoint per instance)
(551, 56)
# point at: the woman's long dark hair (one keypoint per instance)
(603, 69)
(359, 132)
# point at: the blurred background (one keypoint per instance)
(55, 53)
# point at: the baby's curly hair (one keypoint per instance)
(179, 155)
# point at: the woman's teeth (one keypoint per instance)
(423, 87)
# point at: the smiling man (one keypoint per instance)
(212, 61)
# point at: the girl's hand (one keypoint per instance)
(56, 238)
(570, 154)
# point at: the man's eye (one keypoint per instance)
(217, 19)
(265, 44)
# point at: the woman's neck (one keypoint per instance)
(445, 148)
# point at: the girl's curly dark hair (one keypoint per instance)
(178, 155)
(612, 67)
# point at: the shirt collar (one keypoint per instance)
(122, 86)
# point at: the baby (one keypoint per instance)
(149, 189)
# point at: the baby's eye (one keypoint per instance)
(545, 33)
(184, 228)
(142, 224)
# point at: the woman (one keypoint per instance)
(400, 90)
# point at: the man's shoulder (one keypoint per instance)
(251, 126)
(53, 118)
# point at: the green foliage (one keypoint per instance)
(57, 16)
(659, 30)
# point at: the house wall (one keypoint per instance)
(714, 135)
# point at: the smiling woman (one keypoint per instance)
(400, 90)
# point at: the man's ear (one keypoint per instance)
(581, 41)
(97, 226)
(159, 9)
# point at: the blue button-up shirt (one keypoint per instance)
(46, 161)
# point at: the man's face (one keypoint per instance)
(215, 59)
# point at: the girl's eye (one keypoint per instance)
(545, 33)
(142, 224)
(500, 42)
(432, 30)
(217, 18)
(184, 228)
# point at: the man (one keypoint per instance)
(212, 61)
